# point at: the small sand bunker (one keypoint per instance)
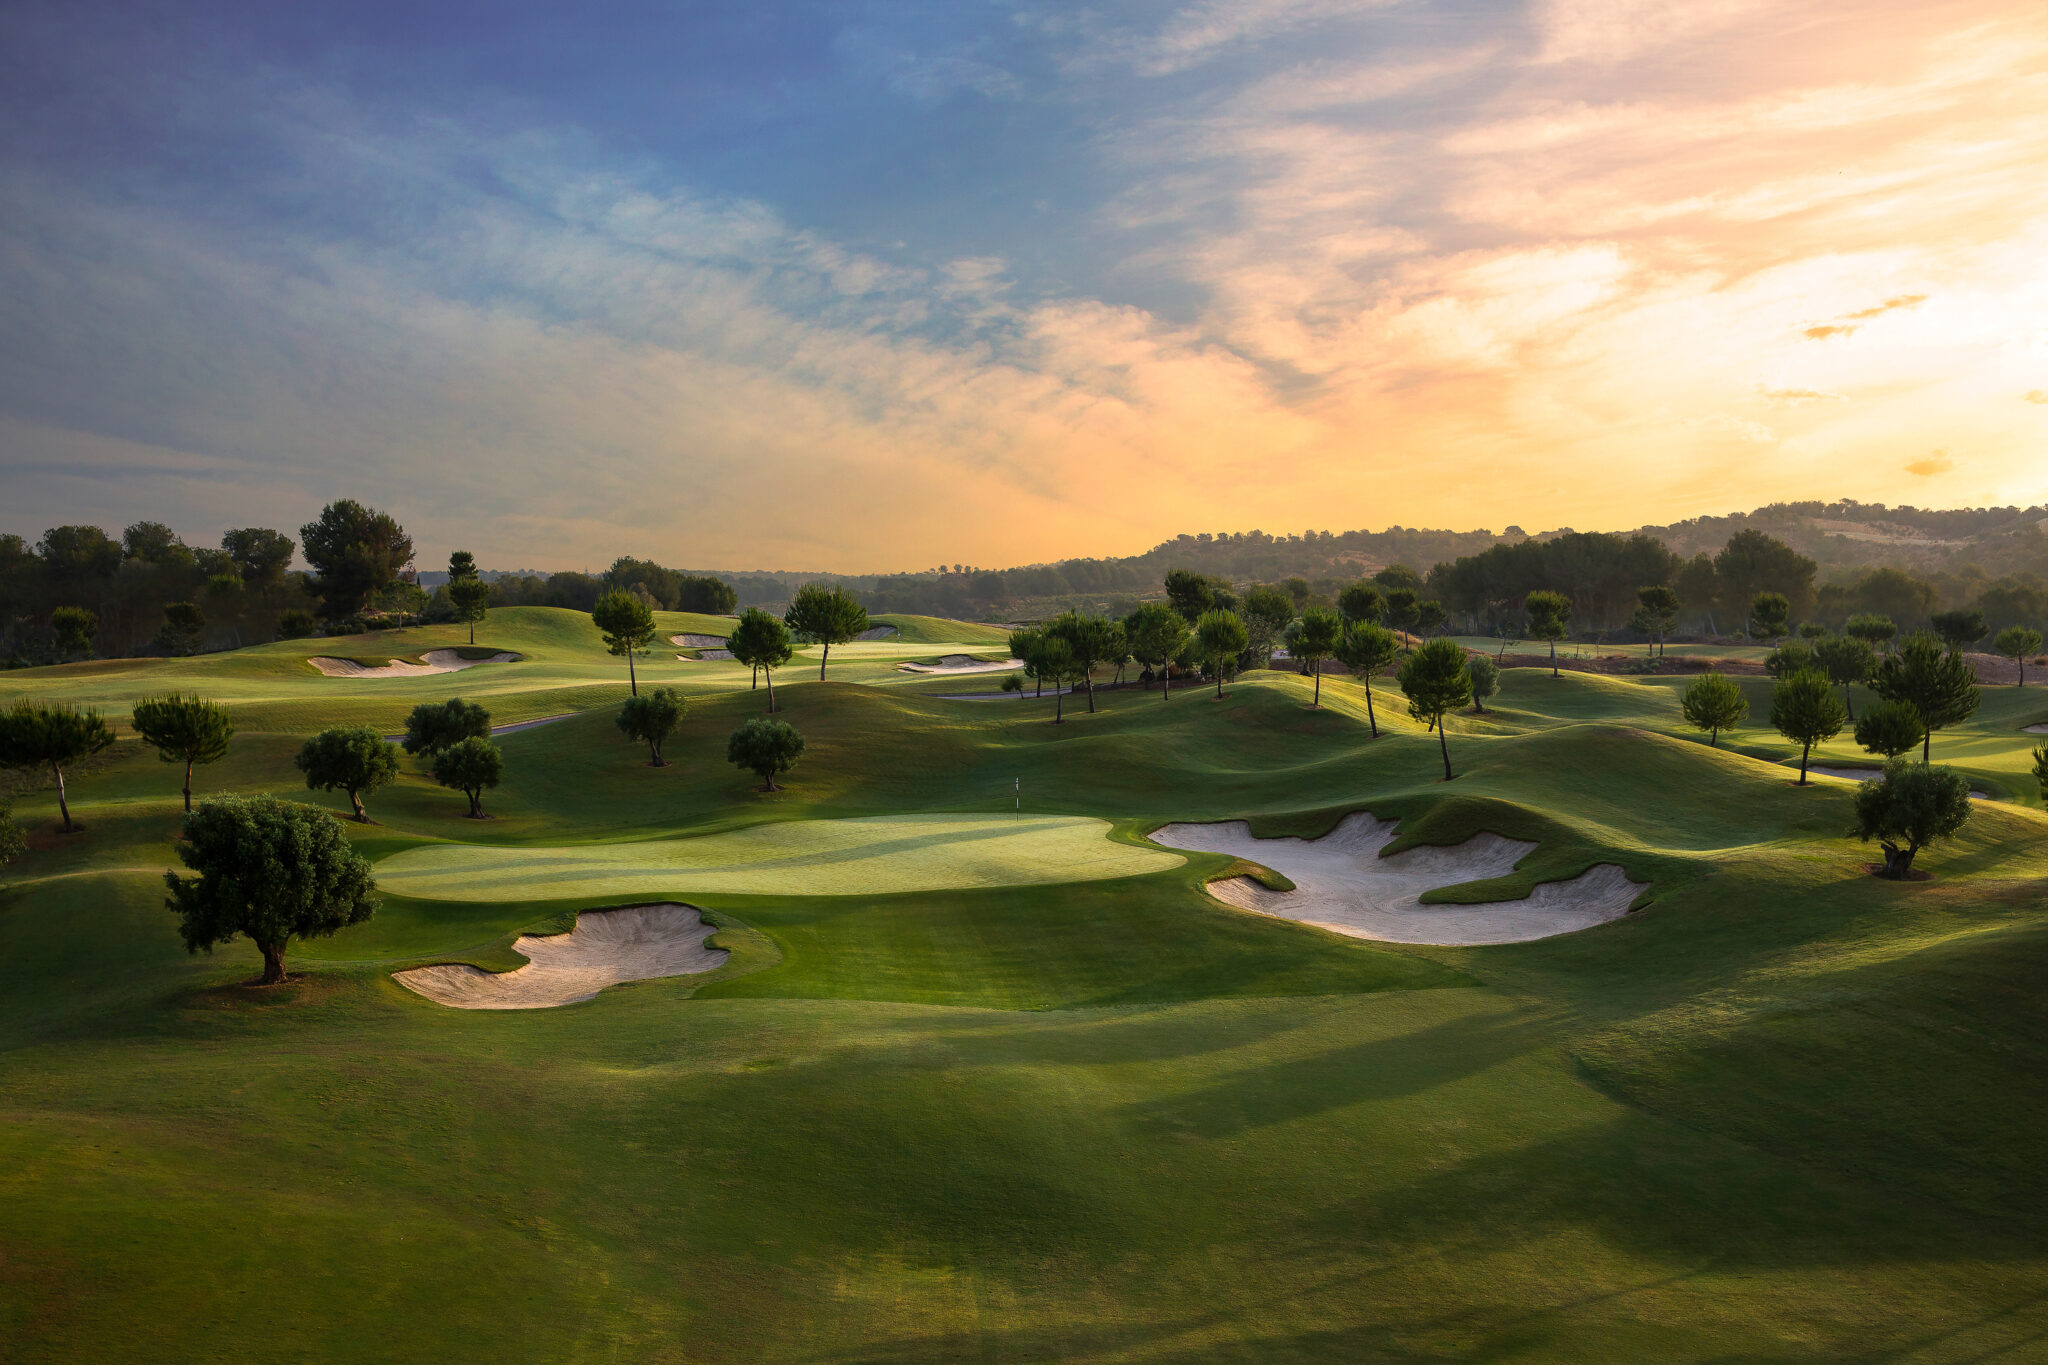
(1342, 884)
(437, 661)
(698, 641)
(963, 663)
(876, 633)
(637, 943)
(2041, 729)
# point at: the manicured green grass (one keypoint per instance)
(1782, 1111)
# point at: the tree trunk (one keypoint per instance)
(823, 659)
(654, 755)
(1714, 738)
(1317, 703)
(757, 678)
(1444, 744)
(472, 632)
(188, 786)
(1553, 658)
(1926, 748)
(476, 804)
(1898, 862)
(1059, 704)
(771, 691)
(1370, 718)
(1804, 754)
(1089, 678)
(1219, 680)
(632, 676)
(273, 963)
(1848, 703)
(63, 803)
(355, 798)
(1166, 681)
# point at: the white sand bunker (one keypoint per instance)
(963, 663)
(1342, 884)
(436, 661)
(2041, 729)
(876, 633)
(637, 943)
(698, 641)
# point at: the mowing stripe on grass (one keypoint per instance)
(872, 856)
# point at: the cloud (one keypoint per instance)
(1928, 466)
(2036, 395)
(1798, 396)
(1826, 330)
(1902, 301)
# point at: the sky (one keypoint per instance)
(877, 286)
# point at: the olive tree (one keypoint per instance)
(269, 870)
(829, 616)
(1889, 728)
(1321, 630)
(355, 759)
(760, 641)
(1907, 807)
(1805, 710)
(627, 624)
(1712, 702)
(434, 726)
(2017, 643)
(184, 730)
(1156, 634)
(1222, 637)
(653, 718)
(1435, 682)
(468, 767)
(766, 748)
(1368, 649)
(1550, 617)
(1937, 683)
(52, 736)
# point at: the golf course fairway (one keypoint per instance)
(879, 855)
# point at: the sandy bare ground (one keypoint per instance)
(698, 641)
(876, 633)
(963, 663)
(636, 943)
(2041, 729)
(437, 661)
(1342, 884)
(1863, 775)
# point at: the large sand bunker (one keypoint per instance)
(698, 641)
(436, 661)
(1342, 884)
(876, 633)
(606, 947)
(876, 855)
(963, 663)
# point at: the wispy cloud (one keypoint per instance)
(1927, 466)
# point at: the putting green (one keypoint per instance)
(891, 853)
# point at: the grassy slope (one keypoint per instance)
(1782, 1111)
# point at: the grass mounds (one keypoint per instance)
(932, 630)
(880, 855)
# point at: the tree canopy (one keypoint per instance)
(183, 729)
(1091, 641)
(1156, 634)
(356, 552)
(1435, 682)
(51, 735)
(760, 641)
(828, 615)
(1770, 615)
(1550, 615)
(1805, 710)
(355, 759)
(1907, 807)
(767, 748)
(1221, 636)
(1485, 675)
(1321, 630)
(1712, 702)
(652, 719)
(1937, 683)
(269, 870)
(469, 766)
(436, 725)
(470, 597)
(1361, 602)
(2018, 643)
(1959, 629)
(1890, 728)
(1368, 649)
(627, 624)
